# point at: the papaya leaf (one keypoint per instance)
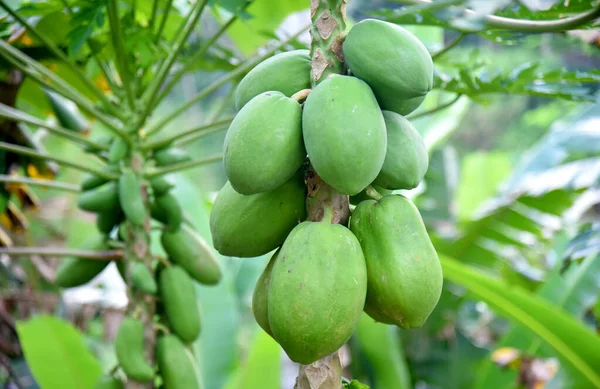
(584, 244)
(57, 354)
(574, 344)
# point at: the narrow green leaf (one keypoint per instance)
(57, 354)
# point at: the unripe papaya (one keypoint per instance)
(176, 364)
(91, 181)
(129, 347)
(109, 382)
(179, 301)
(170, 156)
(394, 63)
(317, 290)
(186, 248)
(403, 269)
(161, 185)
(130, 198)
(67, 113)
(142, 278)
(260, 308)
(287, 73)
(118, 150)
(78, 271)
(103, 139)
(103, 198)
(106, 221)
(406, 160)
(249, 226)
(166, 209)
(263, 147)
(344, 133)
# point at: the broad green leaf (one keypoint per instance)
(380, 345)
(57, 354)
(573, 343)
(262, 367)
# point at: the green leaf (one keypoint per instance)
(576, 345)
(57, 354)
(262, 367)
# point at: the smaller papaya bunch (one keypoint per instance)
(129, 204)
(322, 276)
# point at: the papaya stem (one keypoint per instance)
(202, 130)
(43, 183)
(177, 167)
(163, 21)
(105, 255)
(372, 193)
(301, 95)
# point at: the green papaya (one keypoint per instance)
(362, 196)
(118, 151)
(186, 248)
(67, 113)
(249, 226)
(263, 147)
(344, 133)
(259, 297)
(402, 106)
(287, 73)
(75, 271)
(170, 156)
(166, 209)
(406, 160)
(129, 347)
(161, 185)
(404, 272)
(100, 199)
(109, 382)
(317, 290)
(103, 139)
(142, 278)
(130, 198)
(106, 221)
(176, 364)
(91, 181)
(179, 301)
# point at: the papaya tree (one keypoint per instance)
(322, 141)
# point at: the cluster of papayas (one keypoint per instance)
(352, 131)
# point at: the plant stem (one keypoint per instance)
(177, 167)
(196, 131)
(8, 112)
(150, 95)
(117, 39)
(224, 103)
(250, 63)
(153, 14)
(107, 255)
(35, 154)
(534, 26)
(56, 51)
(197, 57)
(163, 21)
(450, 45)
(43, 183)
(434, 110)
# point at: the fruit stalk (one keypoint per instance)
(328, 28)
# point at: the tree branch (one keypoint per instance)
(106, 255)
(177, 167)
(43, 183)
(163, 21)
(434, 110)
(196, 131)
(35, 154)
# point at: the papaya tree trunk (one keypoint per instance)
(328, 32)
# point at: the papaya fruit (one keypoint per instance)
(109, 382)
(179, 301)
(142, 278)
(260, 308)
(161, 185)
(170, 156)
(91, 181)
(67, 113)
(100, 199)
(176, 364)
(129, 347)
(362, 196)
(186, 248)
(166, 209)
(106, 221)
(406, 160)
(317, 290)
(118, 151)
(250, 226)
(394, 63)
(287, 73)
(130, 198)
(403, 270)
(344, 133)
(103, 139)
(263, 146)
(75, 271)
